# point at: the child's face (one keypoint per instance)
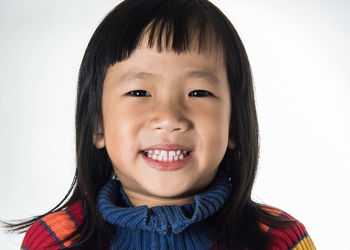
(167, 111)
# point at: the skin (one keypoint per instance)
(167, 115)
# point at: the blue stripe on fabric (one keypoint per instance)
(71, 217)
(299, 240)
(52, 233)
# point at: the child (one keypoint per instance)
(166, 140)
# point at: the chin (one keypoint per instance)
(168, 190)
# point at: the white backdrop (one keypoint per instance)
(299, 51)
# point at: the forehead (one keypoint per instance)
(206, 58)
(147, 62)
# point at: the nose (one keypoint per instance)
(169, 116)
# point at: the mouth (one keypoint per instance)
(166, 155)
(168, 160)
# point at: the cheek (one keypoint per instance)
(121, 120)
(120, 128)
(213, 129)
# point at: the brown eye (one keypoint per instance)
(140, 93)
(200, 93)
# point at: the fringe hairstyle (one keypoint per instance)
(173, 25)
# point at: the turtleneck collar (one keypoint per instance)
(116, 208)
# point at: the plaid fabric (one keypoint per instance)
(295, 237)
(49, 231)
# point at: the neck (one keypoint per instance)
(138, 199)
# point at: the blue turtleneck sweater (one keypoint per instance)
(162, 227)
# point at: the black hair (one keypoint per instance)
(173, 25)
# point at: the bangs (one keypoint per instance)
(171, 25)
(182, 34)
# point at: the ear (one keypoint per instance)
(99, 138)
(231, 144)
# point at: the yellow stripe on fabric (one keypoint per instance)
(61, 224)
(305, 244)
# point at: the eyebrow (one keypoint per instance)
(208, 76)
(136, 75)
(211, 78)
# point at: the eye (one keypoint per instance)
(141, 93)
(200, 93)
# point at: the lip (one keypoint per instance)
(166, 165)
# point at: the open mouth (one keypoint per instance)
(165, 160)
(165, 155)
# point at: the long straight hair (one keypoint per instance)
(173, 25)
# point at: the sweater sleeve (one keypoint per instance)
(294, 237)
(49, 231)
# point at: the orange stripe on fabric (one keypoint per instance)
(61, 224)
(271, 210)
(264, 227)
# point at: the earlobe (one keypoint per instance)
(231, 144)
(98, 137)
(99, 140)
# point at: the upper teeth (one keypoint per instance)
(163, 155)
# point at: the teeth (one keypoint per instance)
(163, 155)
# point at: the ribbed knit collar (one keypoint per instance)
(116, 208)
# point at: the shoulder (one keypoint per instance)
(47, 232)
(291, 237)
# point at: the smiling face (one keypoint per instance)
(171, 102)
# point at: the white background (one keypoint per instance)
(300, 56)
